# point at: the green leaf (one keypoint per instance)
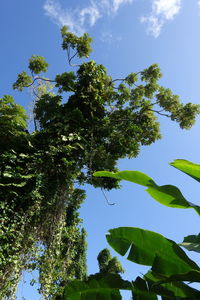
(152, 285)
(171, 287)
(141, 290)
(98, 287)
(171, 196)
(152, 249)
(187, 167)
(191, 276)
(191, 243)
(167, 195)
(133, 176)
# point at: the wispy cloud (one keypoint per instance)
(110, 38)
(91, 12)
(162, 11)
(115, 5)
(79, 19)
(60, 16)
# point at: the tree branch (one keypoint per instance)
(159, 112)
(117, 79)
(39, 78)
(70, 58)
(45, 79)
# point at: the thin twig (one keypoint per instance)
(159, 112)
(70, 58)
(39, 78)
(117, 79)
(45, 79)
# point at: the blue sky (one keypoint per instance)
(128, 35)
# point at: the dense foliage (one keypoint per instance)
(85, 124)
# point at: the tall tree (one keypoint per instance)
(86, 124)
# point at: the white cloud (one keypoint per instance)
(106, 37)
(62, 16)
(91, 12)
(75, 19)
(111, 7)
(78, 19)
(110, 38)
(154, 25)
(118, 3)
(162, 11)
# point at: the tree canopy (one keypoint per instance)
(84, 124)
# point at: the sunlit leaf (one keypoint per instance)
(133, 176)
(188, 168)
(152, 249)
(167, 195)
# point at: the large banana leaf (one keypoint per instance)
(98, 287)
(146, 289)
(191, 276)
(133, 176)
(107, 286)
(152, 249)
(170, 288)
(187, 167)
(167, 195)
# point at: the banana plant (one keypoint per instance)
(170, 267)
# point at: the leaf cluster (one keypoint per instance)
(80, 44)
(37, 64)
